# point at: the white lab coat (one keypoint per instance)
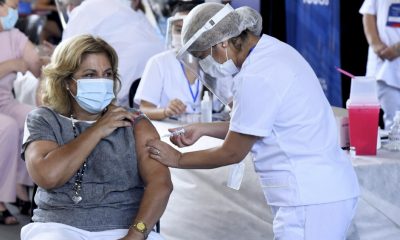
(129, 32)
(278, 97)
(302, 169)
(163, 80)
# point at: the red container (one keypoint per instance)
(363, 128)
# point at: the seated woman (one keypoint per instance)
(17, 54)
(167, 87)
(87, 156)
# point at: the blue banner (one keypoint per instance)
(313, 28)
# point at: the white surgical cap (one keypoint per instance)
(232, 25)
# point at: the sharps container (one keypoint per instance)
(363, 107)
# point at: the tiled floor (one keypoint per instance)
(12, 232)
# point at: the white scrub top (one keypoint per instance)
(387, 19)
(163, 80)
(127, 31)
(278, 97)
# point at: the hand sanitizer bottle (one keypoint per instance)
(206, 108)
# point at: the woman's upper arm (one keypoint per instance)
(150, 170)
(35, 153)
(31, 57)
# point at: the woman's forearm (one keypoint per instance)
(154, 202)
(56, 167)
(371, 30)
(6, 68)
(154, 113)
(215, 129)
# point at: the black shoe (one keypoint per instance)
(4, 215)
(23, 206)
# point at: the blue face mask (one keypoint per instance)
(94, 95)
(9, 21)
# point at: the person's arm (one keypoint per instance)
(152, 111)
(14, 65)
(234, 149)
(175, 107)
(31, 56)
(372, 34)
(156, 178)
(51, 165)
(194, 131)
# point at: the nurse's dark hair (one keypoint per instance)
(2, 2)
(184, 6)
(238, 41)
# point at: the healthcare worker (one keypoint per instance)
(167, 88)
(382, 29)
(280, 114)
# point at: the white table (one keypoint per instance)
(378, 214)
(202, 207)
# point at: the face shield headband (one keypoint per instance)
(221, 14)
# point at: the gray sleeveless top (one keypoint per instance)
(111, 187)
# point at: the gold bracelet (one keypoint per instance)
(141, 227)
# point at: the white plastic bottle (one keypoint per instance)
(394, 134)
(206, 108)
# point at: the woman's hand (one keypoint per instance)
(163, 153)
(114, 118)
(378, 48)
(175, 107)
(189, 137)
(389, 53)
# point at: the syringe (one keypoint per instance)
(176, 133)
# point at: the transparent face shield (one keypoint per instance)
(62, 12)
(221, 87)
(174, 27)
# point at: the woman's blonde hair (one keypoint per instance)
(65, 61)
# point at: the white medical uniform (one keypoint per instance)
(128, 32)
(387, 14)
(278, 97)
(163, 80)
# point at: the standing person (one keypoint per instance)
(125, 28)
(17, 54)
(88, 156)
(280, 114)
(382, 31)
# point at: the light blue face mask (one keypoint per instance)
(9, 21)
(94, 95)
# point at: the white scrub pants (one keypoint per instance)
(328, 221)
(389, 97)
(52, 231)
